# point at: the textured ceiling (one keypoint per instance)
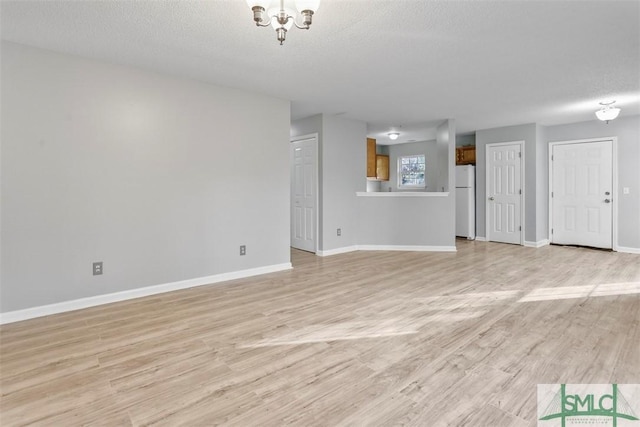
(408, 63)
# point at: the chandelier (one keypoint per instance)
(282, 17)
(608, 111)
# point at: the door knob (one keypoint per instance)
(607, 201)
(491, 198)
(606, 193)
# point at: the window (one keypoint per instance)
(411, 171)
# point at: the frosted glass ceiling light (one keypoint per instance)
(283, 18)
(607, 112)
(393, 135)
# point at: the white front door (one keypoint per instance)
(581, 194)
(504, 193)
(303, 155)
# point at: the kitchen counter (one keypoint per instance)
(402, 194)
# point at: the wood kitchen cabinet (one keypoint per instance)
(466, 155)
(371, 158)
(377, 164)
(382, 167)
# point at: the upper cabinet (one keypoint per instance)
(382, 167)
(466, 155)
(371, 158)
(377, 164)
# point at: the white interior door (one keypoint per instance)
(581, 194)
(504, 193)
(303, 154)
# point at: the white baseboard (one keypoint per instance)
(627, 250)
(481, 239)
(415, 248)
(61, 307)
(337, 251)
(538, 244)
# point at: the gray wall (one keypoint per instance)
(428, 148)
(537, 138)
(465, 140)
(160, 178)
(344, 164)
(627, 130)
(308, 126)
(542, 184)
(446, 143)
(402, 221)
(342, 173)
(528, 134)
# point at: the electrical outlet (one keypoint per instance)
(97, 268)
(339, 231)
(243, 250)
(625, 190)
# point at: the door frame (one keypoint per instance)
(614, 185)
(486, 188)
(316, 215)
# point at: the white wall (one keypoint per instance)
(160, 178)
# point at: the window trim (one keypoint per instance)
(399, 173)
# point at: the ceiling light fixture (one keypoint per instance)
(393, 135)
(607, 112)
(282, 18)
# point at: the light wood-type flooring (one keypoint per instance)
(358, 339)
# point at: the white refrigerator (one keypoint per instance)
(466, 201)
